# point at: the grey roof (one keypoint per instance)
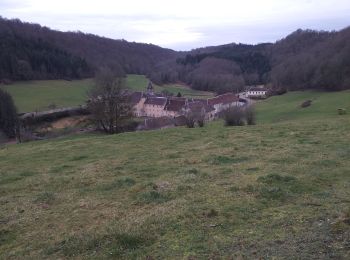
(257, 89)
(135, 97)
(158, 101)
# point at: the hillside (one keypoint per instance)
(31, 51)
(305, 59)
(272, 190)
(288, 107)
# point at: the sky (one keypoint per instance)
(183, 24)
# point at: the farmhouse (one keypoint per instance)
(256, 92)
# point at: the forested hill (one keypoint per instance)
(30, 51)
(303, 60)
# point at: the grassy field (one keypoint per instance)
(41, 95)
(140, 82)
(287, 107)
(271, 191)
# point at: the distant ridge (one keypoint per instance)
(305, 59)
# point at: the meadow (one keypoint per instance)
(324, 105)
(40, 95)
(45, 94)
(271, 191)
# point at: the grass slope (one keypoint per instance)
(287, 107)
(267, 191)
(39, 95)
(140, 82)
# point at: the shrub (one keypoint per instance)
(212, 213)
(234, 116)
(194, 112)
(250, 115)
(306, 103)
(8, 115)
(341, 111)
(201, 123)
(190, 122)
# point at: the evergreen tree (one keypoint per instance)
(8, 115)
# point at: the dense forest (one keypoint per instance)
(30, 51)
(304, 59)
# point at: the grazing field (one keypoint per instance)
(324, 105)
(270, 191)
(45, 94)
(140, 82)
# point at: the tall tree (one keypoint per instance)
(109, 102)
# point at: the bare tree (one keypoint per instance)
(108, 102)
(234, 116)
(194, 112)
(250, 115)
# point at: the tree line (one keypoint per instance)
(31, 51)
(306, 59)
(25, 59)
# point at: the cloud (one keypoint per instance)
(182, 23)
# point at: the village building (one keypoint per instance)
(150, 104)
(209, 110)
(154, 106)
(224, 101)
(137, 100)
(256, 92)
(174, 106)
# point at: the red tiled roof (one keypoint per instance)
(223, 99)
(175, 104)
(158, 101)
(208, 108)
(135, 97)
(199, 103)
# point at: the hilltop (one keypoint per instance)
(276, 189)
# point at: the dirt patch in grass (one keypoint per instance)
(68, 122)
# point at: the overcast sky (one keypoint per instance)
(183, 24)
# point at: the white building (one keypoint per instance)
(256, 92)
